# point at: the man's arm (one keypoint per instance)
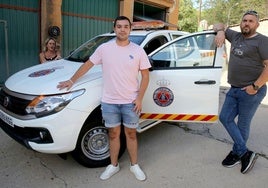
(143, 86)
(263, 78)
(220, 37)
(219, 27)
(80, 72)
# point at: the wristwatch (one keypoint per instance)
(255, 87)
(217, 30)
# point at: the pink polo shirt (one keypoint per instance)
(121, 66)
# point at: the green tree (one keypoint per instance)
(230, 11)
(187, 16)
(217, 11)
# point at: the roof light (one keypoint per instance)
(154, 24)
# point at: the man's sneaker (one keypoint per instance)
(109, 171)
(231, 160)
(136, 170)
(248, 160)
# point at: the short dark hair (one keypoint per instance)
(122, 18)
(252, 12)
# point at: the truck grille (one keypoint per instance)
(13, 104)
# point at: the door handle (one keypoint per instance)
(207, 82)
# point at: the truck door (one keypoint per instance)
(185, 80)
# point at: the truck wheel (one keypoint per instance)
(92, 148)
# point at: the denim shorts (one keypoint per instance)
(115, 114)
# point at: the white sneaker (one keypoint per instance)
(109, 171)
(136, 170)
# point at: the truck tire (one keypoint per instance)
(92, 148)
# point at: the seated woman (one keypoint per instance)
(50, 52)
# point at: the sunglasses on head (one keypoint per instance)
(251, 12)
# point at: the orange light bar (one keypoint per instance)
(154, 24)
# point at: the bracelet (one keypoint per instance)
(220, 30)
(71, 81)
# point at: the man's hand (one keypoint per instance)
(65, 84)
(220, 38)
(138, 106)
(249, 90)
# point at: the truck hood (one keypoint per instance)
(44, 78)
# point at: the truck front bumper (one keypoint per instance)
(55, 134)
(27, 134)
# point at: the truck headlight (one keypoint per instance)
(49, 104)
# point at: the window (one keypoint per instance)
(154, 44)
(194, 51)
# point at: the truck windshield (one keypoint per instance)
(82, 53)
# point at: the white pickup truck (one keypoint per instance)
(184, 86)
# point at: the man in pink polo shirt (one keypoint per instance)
(121, 60)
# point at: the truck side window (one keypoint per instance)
(155, 43)
(194, 51)
(152, 45)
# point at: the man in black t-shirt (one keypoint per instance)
(247, 75)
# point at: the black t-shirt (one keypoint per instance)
(246, 58)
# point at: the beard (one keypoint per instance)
(247, 31)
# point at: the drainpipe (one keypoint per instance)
(6, 45)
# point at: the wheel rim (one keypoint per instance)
(95, 143)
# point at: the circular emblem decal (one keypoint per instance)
(41, 73)
(163, 96)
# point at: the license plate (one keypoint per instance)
(6, 119)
